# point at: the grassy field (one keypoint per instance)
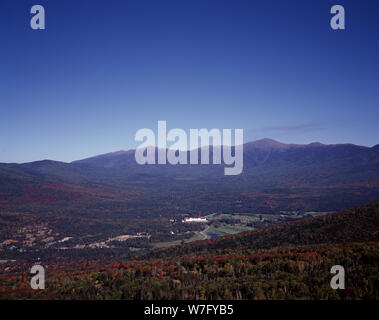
(222, 224)
(227, 229)
(166, 244)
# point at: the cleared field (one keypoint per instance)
(166, 244)
(227, 229)
(222, 224)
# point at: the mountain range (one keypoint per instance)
(67, 214)
(276, 175)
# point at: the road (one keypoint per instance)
(205, 236)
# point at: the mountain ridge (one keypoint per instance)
(275, 176)
(265, 143)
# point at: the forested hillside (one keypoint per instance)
(360, 224)
(287, 261)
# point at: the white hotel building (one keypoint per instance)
(188, 219)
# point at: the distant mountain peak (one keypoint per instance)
(316, 144)
(267, 143)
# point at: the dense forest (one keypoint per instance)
(286, 261)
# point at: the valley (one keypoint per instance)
(91, 201)
(222, 224)
(31, 240)
(289, 260)
(106, 213)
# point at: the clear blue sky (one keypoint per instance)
(104, 69)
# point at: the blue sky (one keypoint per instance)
(104, 69)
